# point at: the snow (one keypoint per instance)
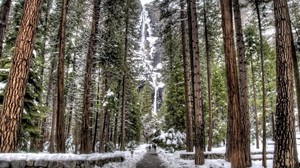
(145, 2)
(58, 156)
(171, 160)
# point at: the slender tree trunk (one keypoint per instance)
(188, 112)
(255, 106)
(123, 105)
(285, 155)
(243, 82)
(43, 53)
(264, 143)
(84, 143)
(236, 155)
(208, 70)
(60, 121)
(14, 93)
(196, 87)
(4, 13)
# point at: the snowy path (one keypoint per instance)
(150, 160)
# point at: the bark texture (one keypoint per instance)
(17, 79)
(60, 114)
(236, 153)
(85, 130)
(285, 155)
(196, 87)
(188, 112)
(243, 82)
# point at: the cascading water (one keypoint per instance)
(147, 49)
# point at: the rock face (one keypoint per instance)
(59, 163)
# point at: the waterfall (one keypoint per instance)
(147, 49)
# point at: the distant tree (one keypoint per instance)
(187, 88)
(4, 13)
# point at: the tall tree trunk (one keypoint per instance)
(196, 87)
(243, 82)
(43, 53)
(255, 106)
(84, 143)
(123, 105)
(17, 78)
(4, 13)
(208, 70)
(236, 152)
(285, 155)
(60, 121)
(97, 113)
(264, 143)
(188, 112)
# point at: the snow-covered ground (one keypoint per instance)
(171, 160)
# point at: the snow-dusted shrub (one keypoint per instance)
(109, 147)
(132, 144)
(170, 139)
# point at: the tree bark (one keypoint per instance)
(188, 112)
(123, 105)
(14, 93)
(236, 152)
(102, 113)
(208, 70)
(60, 122)
(264, 143)
(84, 143)
(4, 13)
(243, 83)
(196, 87)
(285, 155)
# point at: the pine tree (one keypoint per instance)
(196, 89)
(14, 93)
(234, 149)
(285, 153)
(4, 13)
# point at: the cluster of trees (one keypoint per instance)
(68, 72)
(78, 76)
(241, 73)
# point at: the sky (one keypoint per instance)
(145, 1)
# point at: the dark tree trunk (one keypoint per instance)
(264, 143)
(243, 81)
(123, 105)
(85, 132)
(4, 13)
(208, 70)
(17, 79)
(236, 152)
(188, 112)
(60, 114)
(285, 155)
(196, 87)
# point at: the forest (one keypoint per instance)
(97, 76)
